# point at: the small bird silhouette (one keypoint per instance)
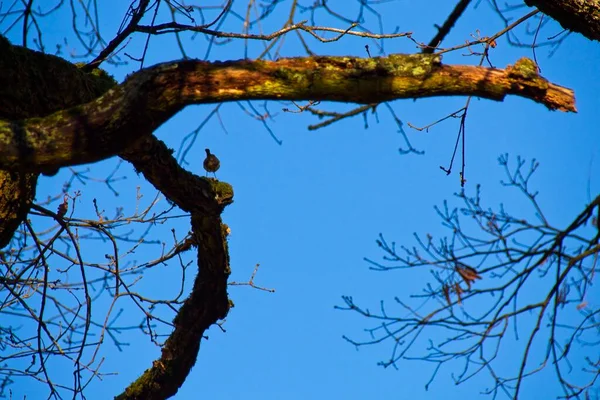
(211, 163)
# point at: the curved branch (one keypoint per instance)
(26, 93)
(111, 123)
(208, 302)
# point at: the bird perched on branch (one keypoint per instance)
(211, 163)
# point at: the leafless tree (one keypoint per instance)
(57, 114)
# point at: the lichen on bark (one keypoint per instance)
(33, 84)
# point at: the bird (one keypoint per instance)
(211, 163)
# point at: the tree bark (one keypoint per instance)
(102, 128)
(17, 191)
(33, 84)
(208, 303)
(582, 16)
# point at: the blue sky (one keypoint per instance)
(310, 209)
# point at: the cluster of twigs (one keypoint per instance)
(67, 281)
(499, 282)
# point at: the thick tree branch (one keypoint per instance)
(22, 95)
(191, 193)
(582, 16)
(111, 123)
(33, 84)
(208, 302)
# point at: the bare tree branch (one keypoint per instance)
(475, 295)
(444, 30)
(109, 124)
(208, 301)
(136, 15)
